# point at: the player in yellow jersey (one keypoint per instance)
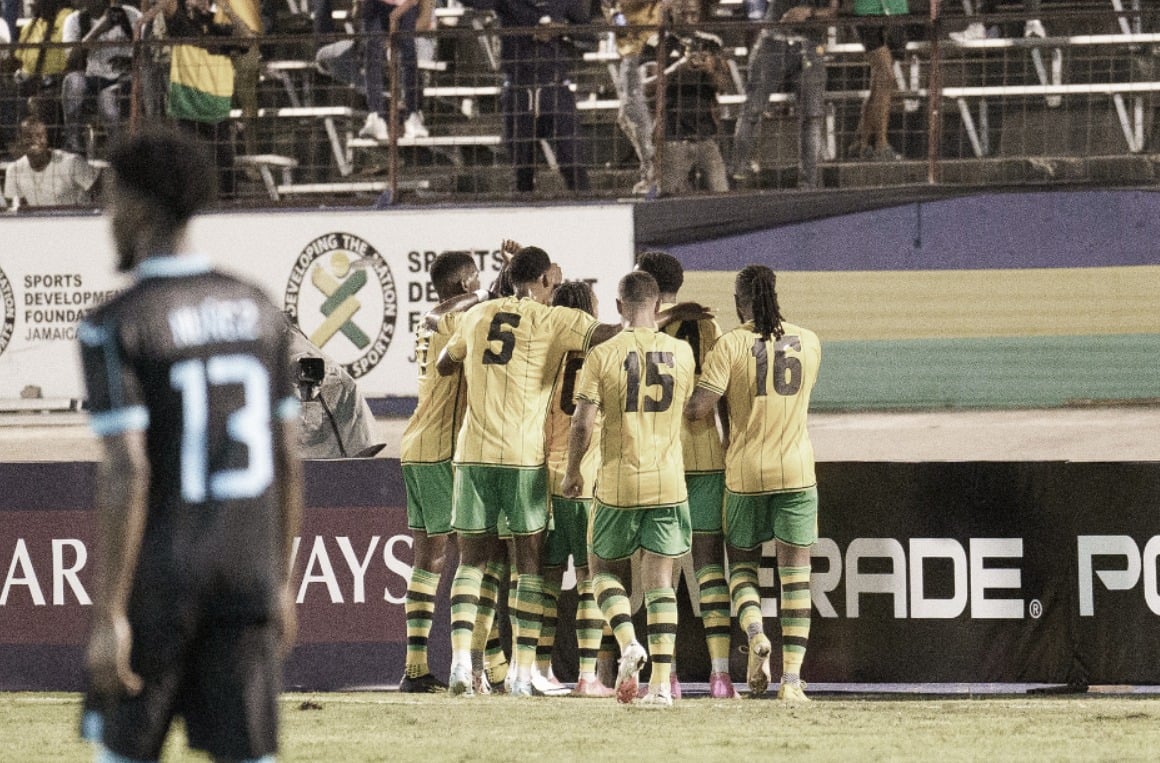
(705, 479)
(568, 535)
(426, 449)
(766, 369)
(510, 349)
(639, 381)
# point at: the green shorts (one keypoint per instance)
(619, 533)
(483, 493)
(568, 533)
(706, 497)
(428, 497)
(751, 520)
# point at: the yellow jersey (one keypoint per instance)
(700, 439)
(431, 430)
(767, 386)
(511, 350)
(640, 379)
(558, 426)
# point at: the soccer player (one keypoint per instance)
(705, 479)
(510, 349)
(426, 449)
(199, 491)
(569, 533)
(639, 381)
(765, 368)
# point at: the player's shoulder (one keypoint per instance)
(800, 331)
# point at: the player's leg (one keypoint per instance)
(614, 540)
(543, 677)
(571, 527)
(488, 661)
(475, 524)
(526, 501)
(230, 699)
(706, 496)
(795, 527)
(666, 534)
(747, 526)
(429, 519)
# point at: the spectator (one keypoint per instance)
(692, 83)
(635, 47)
(201, 75)
(9, 14)
(537, 101)
(781, 56)
(35, 84)
(884, 43)
(978, 31)
(100, 74)
(401, 16)
(247, 71)
(46, 177)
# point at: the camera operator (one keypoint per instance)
(336, 420)
(695, 74)
(99, 74)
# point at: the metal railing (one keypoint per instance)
(1077, 105)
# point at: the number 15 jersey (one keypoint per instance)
(767, 385)
(640, 379)
(511, 349)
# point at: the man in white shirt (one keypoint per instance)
(46, 177)
(106, 73)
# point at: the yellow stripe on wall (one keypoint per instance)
(929, 304)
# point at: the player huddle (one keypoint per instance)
(541, 433)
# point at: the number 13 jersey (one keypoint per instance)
(767, 385)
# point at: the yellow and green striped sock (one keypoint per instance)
(420, 609)
(528, 610)
(616, 608)
(589, 626)
(794, 614)
(661, 608)
(746, 597)
(464, 603)
(715, 614)
(547, 640)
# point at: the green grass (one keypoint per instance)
(355, 727)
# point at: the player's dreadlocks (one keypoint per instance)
(577, 294)
(756, 286)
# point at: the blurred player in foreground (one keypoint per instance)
(765, 369)
(639, 381)
(199, 491)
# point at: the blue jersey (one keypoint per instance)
(200, 362)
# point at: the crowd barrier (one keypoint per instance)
(1076, 105)
(1040, 572)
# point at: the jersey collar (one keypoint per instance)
(173, 266)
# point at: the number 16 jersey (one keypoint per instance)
(767, 384)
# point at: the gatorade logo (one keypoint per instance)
(342, 296)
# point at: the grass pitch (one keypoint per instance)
(355, 727)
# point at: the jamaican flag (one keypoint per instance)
(201, 84)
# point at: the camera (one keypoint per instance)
(311, 370)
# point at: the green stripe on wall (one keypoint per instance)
(996, 372)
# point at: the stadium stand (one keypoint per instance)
(1076, 106)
